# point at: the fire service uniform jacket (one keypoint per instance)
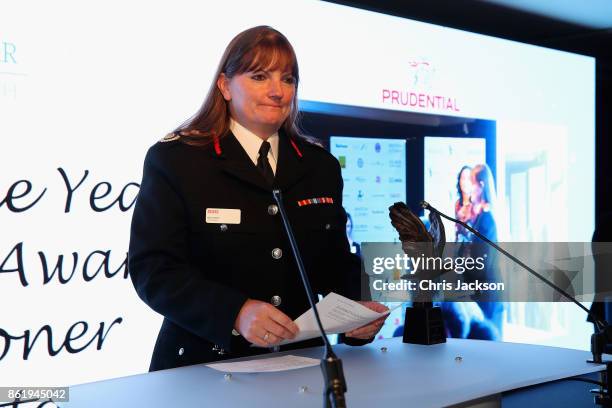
(206, 236)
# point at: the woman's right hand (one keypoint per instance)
(257, 318)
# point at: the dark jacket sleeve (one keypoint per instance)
(348, 280)
(159, 263)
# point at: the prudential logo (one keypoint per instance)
(421, 73)
(422, 91)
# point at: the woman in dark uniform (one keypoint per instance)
(207, 249)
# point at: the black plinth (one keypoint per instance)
(424, 324)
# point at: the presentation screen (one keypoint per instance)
(530, 179)
(374, 174)
(87, 88)
(445, 158)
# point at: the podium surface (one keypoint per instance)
(445, 374)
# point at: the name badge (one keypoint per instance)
(222, 216)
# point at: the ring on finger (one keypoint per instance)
(266, 336)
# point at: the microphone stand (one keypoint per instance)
(334, 385)
(598, 339)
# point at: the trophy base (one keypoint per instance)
(424, 324)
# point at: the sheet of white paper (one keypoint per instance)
(338, 315)
(262, 365)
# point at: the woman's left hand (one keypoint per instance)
(369, 330)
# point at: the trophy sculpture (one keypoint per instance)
(423, 323)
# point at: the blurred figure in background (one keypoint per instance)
(483, 199)
(463, 205)
(602, 256)
(483, 318)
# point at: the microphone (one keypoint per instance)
(599, 322)
(333, 374)
(598, 339)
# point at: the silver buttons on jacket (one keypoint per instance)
(181, 351)
(220, 351)
(277, 253)
(276, 300)
(327, 226)
(272, 209)
(223, 227)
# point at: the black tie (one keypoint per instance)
(263, 164)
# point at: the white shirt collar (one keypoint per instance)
(251, 143)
